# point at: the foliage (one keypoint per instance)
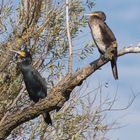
(41, 27)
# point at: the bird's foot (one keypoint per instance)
(109, 53)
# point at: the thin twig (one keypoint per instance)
(18, 96)
(58, 91)
(13, 104)
(69, 39)
(2, 5)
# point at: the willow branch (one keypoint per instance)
(57, 96)
(69, 38)
(130, 50)
(17, 41)
(12, 105)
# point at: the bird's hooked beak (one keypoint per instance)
(22, 54)
(92, 14)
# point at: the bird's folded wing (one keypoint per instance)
(108, 34)
(40, 79)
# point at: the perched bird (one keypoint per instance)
(104, 38)
(35, 84)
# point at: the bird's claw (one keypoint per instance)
(109, 53)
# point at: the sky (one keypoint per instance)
(123, 17)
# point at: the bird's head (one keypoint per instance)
(24, 55)
(98, 14)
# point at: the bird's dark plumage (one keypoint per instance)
(35, 84)
(103, 37)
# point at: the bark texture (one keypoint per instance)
(57, 96)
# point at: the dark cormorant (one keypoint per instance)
(35, 84)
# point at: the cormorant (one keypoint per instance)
(103, 37)
(35, 84)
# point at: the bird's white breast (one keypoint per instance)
(97, 36)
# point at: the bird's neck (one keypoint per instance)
(26, 62)
(26, 65)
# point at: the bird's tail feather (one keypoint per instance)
(47, 118)
(114, 68)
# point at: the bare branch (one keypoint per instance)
(57, 97)
(69, 38)
(130, 49)
(22, 39)
(12, 105)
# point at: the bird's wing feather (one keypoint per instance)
(40, 79)
(110, 41)
(108, 36)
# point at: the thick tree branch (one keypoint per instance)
(57, 96)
